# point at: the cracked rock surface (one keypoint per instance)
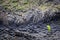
(29, 27)
(31, 24)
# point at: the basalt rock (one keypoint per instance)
(32, 15)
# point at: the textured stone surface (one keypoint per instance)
(31, 24)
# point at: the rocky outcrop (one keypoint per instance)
(32, 15)
(30, 24)
(41, 34)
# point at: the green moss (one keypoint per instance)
(14, 1)
(49, 28)
(53, 7)
(17, 4)
(43, 7)
(19, 7)
(26, 4)
(57, 6)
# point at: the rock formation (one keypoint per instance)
(28, 20)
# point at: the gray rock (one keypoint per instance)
(32, 15)
(30, 31)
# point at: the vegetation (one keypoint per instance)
(17, 4)
(26, 4)
(51, 6)
(49, 28)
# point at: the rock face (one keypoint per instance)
(31, 24)
(27, 25)
(42, 13)
(33, 32)
(33, 15)
(3, 17)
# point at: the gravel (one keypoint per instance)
(33, 30)
(30, 32)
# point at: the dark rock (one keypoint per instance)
(29, 25)
(34, 16)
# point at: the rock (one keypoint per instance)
(32, 16)
(29, 24)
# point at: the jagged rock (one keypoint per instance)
(33, 16)
(21, 24)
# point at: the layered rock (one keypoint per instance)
(32, 15)
(26, 24)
